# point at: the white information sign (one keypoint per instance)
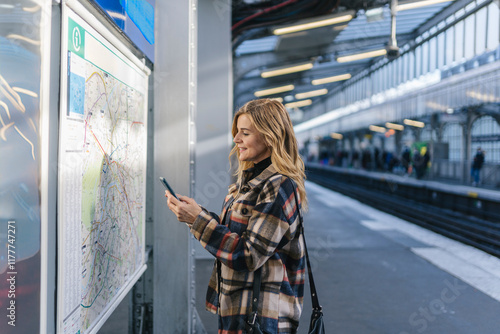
(102, 176)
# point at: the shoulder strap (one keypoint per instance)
(257, 278)
(312, 286)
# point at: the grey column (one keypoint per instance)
(214, 112)
(213, 118)
(174, 138)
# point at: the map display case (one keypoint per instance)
(102, 172)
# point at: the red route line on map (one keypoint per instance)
(123, 187)
(117, 176)
(106, 252)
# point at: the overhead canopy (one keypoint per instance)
(257, 49)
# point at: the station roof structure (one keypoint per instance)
(261, 54)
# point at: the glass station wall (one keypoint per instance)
(20, 74)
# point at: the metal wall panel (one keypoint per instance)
(214, 112)
(175, 105)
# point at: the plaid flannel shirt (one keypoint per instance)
(261, 232)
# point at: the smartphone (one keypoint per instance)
(167, 186)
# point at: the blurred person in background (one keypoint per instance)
(477, 164)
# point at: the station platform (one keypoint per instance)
(378, 274)
(442, 185)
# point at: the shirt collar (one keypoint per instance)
(264, 175)
(257, 168)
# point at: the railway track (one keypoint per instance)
(474, 231)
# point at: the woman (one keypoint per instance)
(260, 228)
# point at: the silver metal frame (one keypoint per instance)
(50, 23)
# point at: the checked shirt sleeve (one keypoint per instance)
(272, 225)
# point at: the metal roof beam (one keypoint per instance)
(443, 15)
(246, 63)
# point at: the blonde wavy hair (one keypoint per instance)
(272, 121)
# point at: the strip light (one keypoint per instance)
(418, 4)
(416, 124)
(335, 135)
(279, 99)
(287, 70)
(394, 126)
(275, 90)
(375, 128)
(331, 79)
(32, 9)
(364, 55)
(116, 15)
(299, 104)
(313, 25)
(311, 93)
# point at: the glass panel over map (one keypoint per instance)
(21, 45)
(101, 177)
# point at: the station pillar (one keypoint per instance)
(174, 87)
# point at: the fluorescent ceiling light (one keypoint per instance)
(394, 126)
(364, 55)
(414, 123)
(279, 99)
(32, 9)
(335, 135)
(377, 128)
(417, 4)
(482, 97)
(116, 15)
(312, 93)
(298, 104)
(275, 90)
(342, 27)
(331, 79)
(374, 14)
(287, 70)
(312, 25)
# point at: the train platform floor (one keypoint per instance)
(378, 274)
(482, 191)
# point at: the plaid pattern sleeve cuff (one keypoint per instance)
(201, 223)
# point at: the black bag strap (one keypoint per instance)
(312, 286)
(258, 273)
(257, 279)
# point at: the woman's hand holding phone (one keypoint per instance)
(185, 208)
